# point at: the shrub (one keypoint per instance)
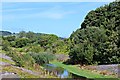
(42, 58)
(21, 42)
(36, 48)
(21, 60)
(5, 45)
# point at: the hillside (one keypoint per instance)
(5, 33)
(10, 70)
(98, 39)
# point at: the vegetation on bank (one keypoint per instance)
(19, 72)
(42, 58)
(7, 61)
(80, 72)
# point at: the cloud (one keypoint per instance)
(19, 9)
(52, 14)
(55, 12)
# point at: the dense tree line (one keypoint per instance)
(28, 48)
(36, 42)
(98, 39)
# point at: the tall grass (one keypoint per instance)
(42, 58)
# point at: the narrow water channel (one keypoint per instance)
(57, 71)
(60, 72)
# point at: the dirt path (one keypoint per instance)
(8, 74)
(6, 57)
(112, 69)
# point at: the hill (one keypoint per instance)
(98, 39)
(5, 33)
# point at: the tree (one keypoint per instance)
(21, 42)
(22, 34)
(98, 38)
(9, 38)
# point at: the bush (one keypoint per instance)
(42, 58)
(9, 38)
(21, 42)
(5, 45)
(36, 48)
(22, 60)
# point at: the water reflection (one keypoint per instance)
(58, 71)
(62, 73)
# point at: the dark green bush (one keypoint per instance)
(5, 45)
(9, 38)
(21, 42)
(42, 58)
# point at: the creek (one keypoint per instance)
(60, 72)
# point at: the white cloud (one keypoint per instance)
(54, 15)
(55, 12)
(19, 9)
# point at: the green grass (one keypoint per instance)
(20, 73)
(80, 72)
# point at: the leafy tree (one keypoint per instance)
(22, 34)
(98, 38)
(21, 42)
(9, 38)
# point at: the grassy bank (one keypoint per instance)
(7, 61)
(80, 72)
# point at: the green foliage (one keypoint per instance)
(60, 46)
(21, 42)
(22, 34)
(5, 45)
(45, 40)
(9, 38)
(42, 58)
(98, 38)
(30, 35)
(35, 48)
(85, 44)
(39, 42)
(21, 60)
(82, 54)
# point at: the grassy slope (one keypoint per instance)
(21, 73)
(7, 61)
(80, 72)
